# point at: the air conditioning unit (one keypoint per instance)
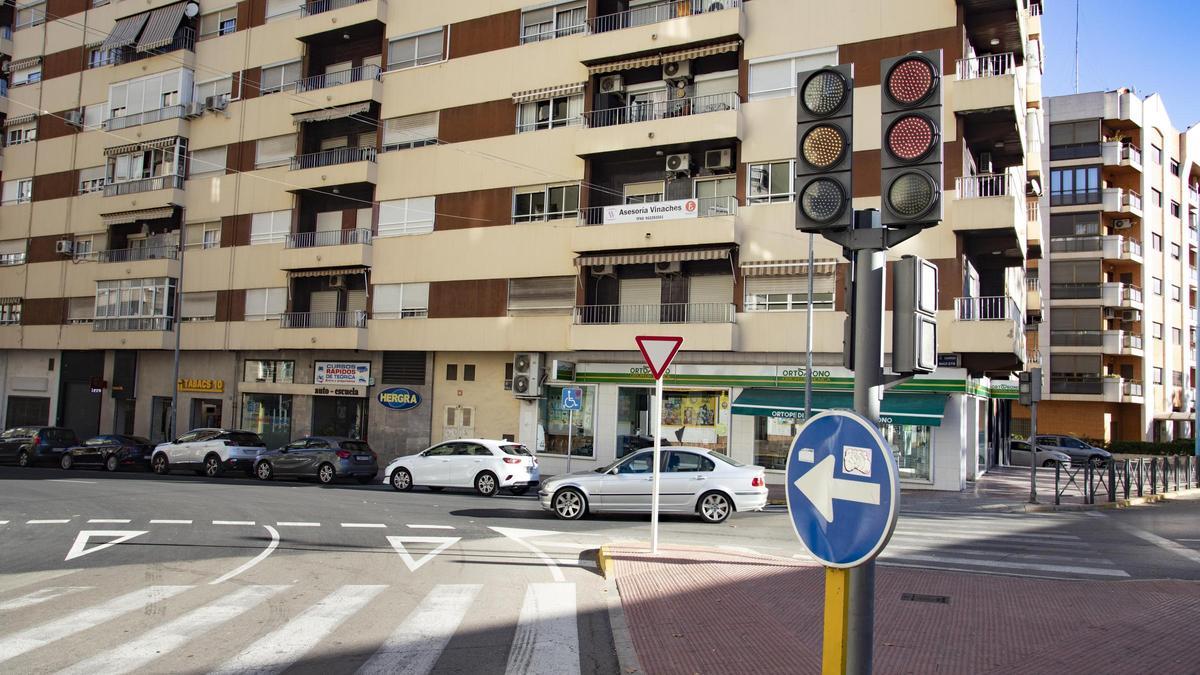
(1132, 315)
(1122, 223)
(672, 267)
(64, 247)
(677, 70)
(74, 118)
(612, 84)
(215, 102)
(527, 375)
(679, 163)
(194, 109)
(338, 281)
(680, 90)
(716, 160)
(603, 271)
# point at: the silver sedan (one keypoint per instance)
(1045, 456)
(693, 480)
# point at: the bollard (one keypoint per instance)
(1175, 472)
(1141, 465)
(1057, 493)
(1166, 480)
(1089, 490)
(1153, 475)
(1125, 468)
(1112, 482)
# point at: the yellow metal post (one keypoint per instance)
(837, 606)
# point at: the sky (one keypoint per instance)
(1149, 45)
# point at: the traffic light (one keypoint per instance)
(1029, 386)
(914, 316)
(911, 161)
(824, 131)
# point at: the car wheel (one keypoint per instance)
(212, 466)
(570, 504)
(160, 465)
(486, 484)
(264, 471)
(518, 491)
(22, 458)
(111, 463)
(1049, 463)
(402, 480)
(435, 488)
(66, 461)
(714, 507)
(1096, 461)
(325, 474)
(365, 480)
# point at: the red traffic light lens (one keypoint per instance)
(824, 93)
(822, 200)
(910, 80)
(823, 146)
(911, 137)
(911, 194)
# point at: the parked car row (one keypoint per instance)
(1058, 449)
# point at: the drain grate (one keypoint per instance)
(917, 597)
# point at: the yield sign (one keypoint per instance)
(414, 564)
(658, 350)
(79, 548)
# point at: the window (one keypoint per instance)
(1156, 285)
(26, 75)
(199, 306)
(203, 235)
(1175, 168)
(271, 227)
(278, 78)
(549, 203)
(10, 311)
(451, 371)
(469, 373)
(1080, 185)
(410, 131)
(1175, 292)
(1156, 331)
(207, 162)
(788, 293)
(1176, 210)
(400, 301)
(1177, 378)
(548, 23)
(222, 22)
(92, 179)
(1156, 241)
(1074, 279)
(771, 182)
(21, 133)
(541, 296)
(81, 310)
(550, 113)
(1156, 155)
(93, 116)
(1156, 197)
(83, 247)
(264, 304)
(135, 167)
(688, 462)
(98, 57)
(1175, 251)
(280, 372)
(33, 14)
(12, 252)
(415, 50)
(1075, 225)
(646, 192)
(1073, 140)
(152, 92)
(775, 76)
(17, 191)
(1176, 336)
(1158, 375)
(135, 304)
(218, 89)
(274, 151)
(278, 9)
(405, 216)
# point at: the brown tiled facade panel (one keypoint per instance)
(485, 34)
(66, 62)
(54, 126)
(478, 208)
(61, 9)
(41, 249)
(248, 79)
(55, 185)
(240, 156)
(867, 166)
(43, 311)
(462, 299)
(235, 230)
(231, 305)
(254, 12)
(866, 55)
(479, 120)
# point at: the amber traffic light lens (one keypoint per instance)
(911, 194)
(824, 93)
(823, 200)
(910, 80)
(823, 146)
(911, 137)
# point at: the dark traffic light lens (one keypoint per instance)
(823, 200)
(823, 146)
(911, 194)
(910, 80)
(824, 93)
(911, 137)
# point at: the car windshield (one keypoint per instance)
(60, 435)
(725, 458)
(516, 450)
(355, 446)
(244, 439)
(19, 432)
(137, 440)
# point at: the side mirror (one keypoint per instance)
(283, 449)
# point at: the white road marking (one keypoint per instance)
(79, 548)
(71, 480)
(48, 522)
(3, 522)
(115, 521)
(253, 561)
(992, 554)
(547, 639)
(40, 596)
(296, 524)
(1161, 542)
(954, 560)
(363, 525)
(414, 647)
(431, 527)
(30, 639)
(9, 582)
(738, 549)
(280, 649)
(413, 565)
(170, 522)
(944, 533)
(518, 535)
(137, 653)
(233, 522)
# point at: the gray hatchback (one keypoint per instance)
(325, 458)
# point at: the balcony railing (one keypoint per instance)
(1132, 388)
(328, 238)
(143, 185)
(1076, 338)
(1130, 153)
(663, 11)
(147, 117)
(706, 207)
(698, 312)
(1031, 284)
(1131, 247)
(170, 252)
(324, 80)
(1076, 384)
(322, 6)
(133, 323)
(988, 65)
(986, 185)
(185, 38)
(7, 259)
(658, 110)
(1131, 199)
(314, 160)
(1131, 341)
(352, 319)
(1131, 293)
(996, 308)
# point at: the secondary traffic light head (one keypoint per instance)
(824, 118)
(911, 162)
(914, 316)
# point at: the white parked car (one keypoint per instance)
(209, 452)
(693, 480)
(1019, 451)
(486, 465)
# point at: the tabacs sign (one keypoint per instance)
(399, 398)
(343, 372)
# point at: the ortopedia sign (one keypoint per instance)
(640, 213)
(343, 372)
(399, 398)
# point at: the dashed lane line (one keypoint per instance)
(430, 527)
(170, 522)
(296, 524)
(72, 480)
(380, 525)
(233, 522)
(110, 520)
(48, 522)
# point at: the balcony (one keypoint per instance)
(316, 7)
(1107, 247)
(1097, 342)
(333, 248)
(328, 238)
(661, 26)
(988, 83)
(315, 160)
(321, 16)
(1121, 202)
(354, 319)
(185, 38)
(129, 187)
(684, 222)
(146, 323)
(998, 308)
(703, 312)
(322, 330)
(147, 117)
(124, 255)
(1109, 294)
(678, 122)
(1120, 154)
(1109, 389)
(340, 166)
(707, 326)
(325, 80)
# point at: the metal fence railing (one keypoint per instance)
(985, 185)
(136, 254)
(133, 323)
(988, 65)
(367, 72)
(1125, 478)
(663, 11)
(185, 38)
(696, 312)
(658, 110)
(328, 238)
(314, 160)
(351, 319)
(143, 185)
(705, 207)
(321, 6)
(147, 117)
(997, 308)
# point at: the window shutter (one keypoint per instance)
(275, 151)
(770, 79)
(276, 301)
(207, 162)
(92, 173)
(199, 305)
(416, 297)
(385, 300)
(546, 295)
(12, 246)
(79, 309)
(410, 129)
(641, 291)
(404, 368)
(281, 7)
(714, 288)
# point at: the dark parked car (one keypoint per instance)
(111, 452)
(27, 446)
(1080, 452)
(325, 458)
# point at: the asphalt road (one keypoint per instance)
(235, 575)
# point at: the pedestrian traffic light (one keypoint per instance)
(1029, 386)
(911, 162)
(824, 130)
(914, 316)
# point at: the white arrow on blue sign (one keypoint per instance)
(843, 488)
(572, 398)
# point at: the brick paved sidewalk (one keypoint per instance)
(692, 610)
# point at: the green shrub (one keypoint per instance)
(1177, 447)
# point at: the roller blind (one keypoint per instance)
(715, 288)
(410, 130)
(200, 305)
(207, 162)
(544, 295)
(822, 283)
(274, 151)
(641, 291)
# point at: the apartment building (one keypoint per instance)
(480, 202)
(1116, 312)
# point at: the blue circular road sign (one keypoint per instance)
(843, 488)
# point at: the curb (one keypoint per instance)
(627, 659)
(604, 561)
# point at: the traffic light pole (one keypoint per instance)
(1033, 464)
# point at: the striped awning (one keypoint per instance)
(123, 217)
(22, 63)
(644, 257)
(11, 300)
(548, 92)
(161, 27)
(125, 32)
(698, 52)
(327, 272)
(20, 119)
(780, 268)
(156, 144)
(627, 64)
(325, 114)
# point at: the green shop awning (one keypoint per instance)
(897, 407)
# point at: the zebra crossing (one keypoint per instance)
(996, 544)
(263, 629)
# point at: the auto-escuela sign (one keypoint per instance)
(399, 398)
(640, 213)
(343, 372)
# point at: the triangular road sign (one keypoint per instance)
(658, 350)
(443, 543)
(79, 548)
(518, 533)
